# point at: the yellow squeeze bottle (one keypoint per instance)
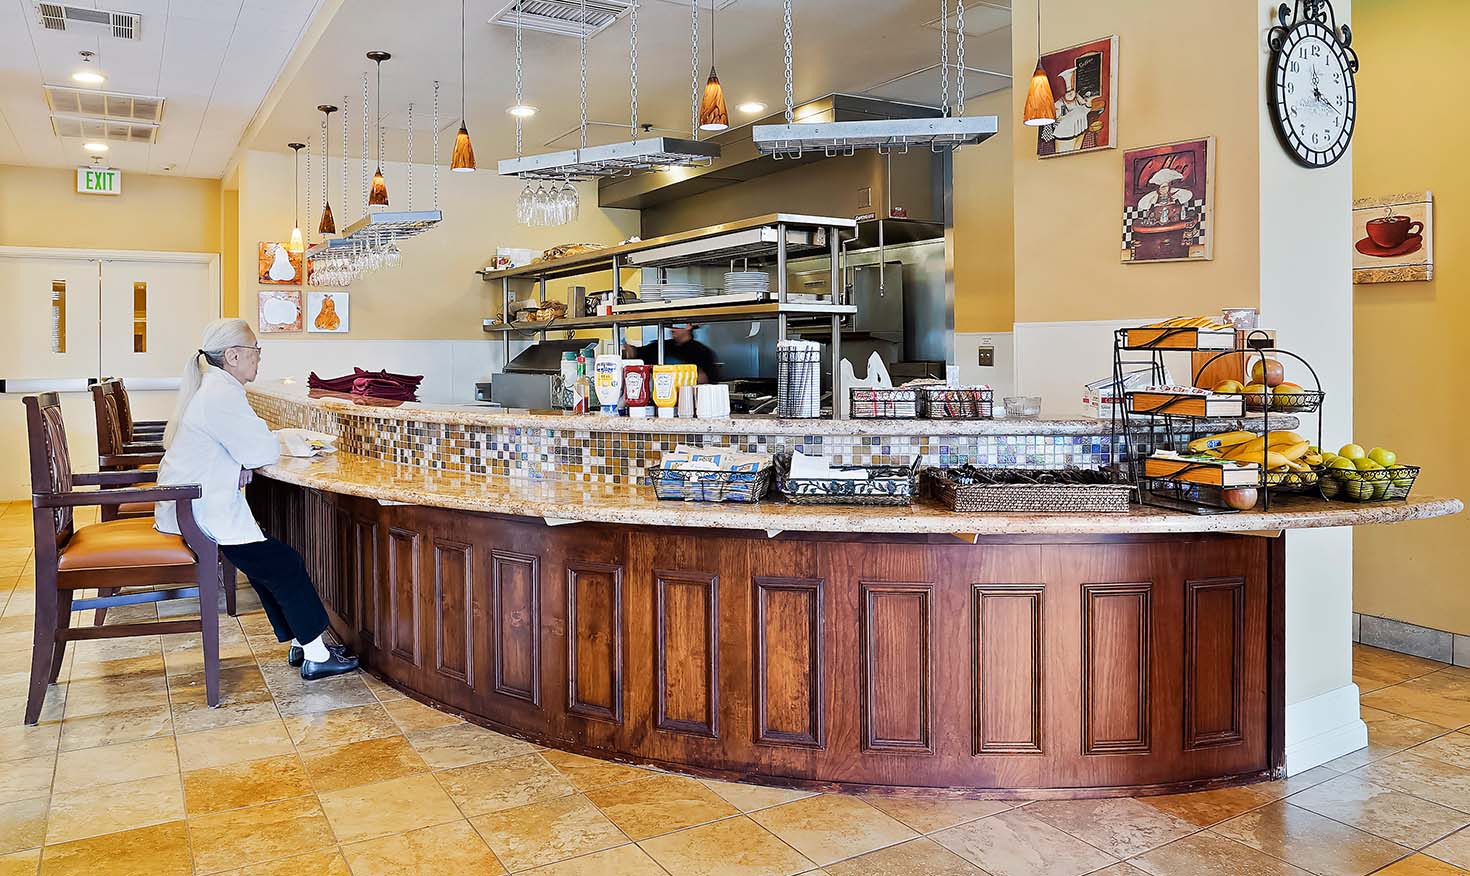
(666, 389)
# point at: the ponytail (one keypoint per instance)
(219, 336)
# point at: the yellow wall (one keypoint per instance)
(435, 293)
(984, 253)
(1410, 337)
(1184, 73)
(229, 212)
(41, 207)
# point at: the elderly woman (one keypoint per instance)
(214, 439)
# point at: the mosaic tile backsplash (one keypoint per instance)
(592, 456)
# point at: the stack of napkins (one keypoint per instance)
(305, 442)
(686, 458)
(816, 468)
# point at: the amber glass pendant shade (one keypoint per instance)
(463, 160)
(712, 113)
(329, 222)
(379, 195)
(1040, 105)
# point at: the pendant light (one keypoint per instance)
(463, 158)
(1041, 106)
(378, 197)
(712, 113)
(328, 225)
(296, 244)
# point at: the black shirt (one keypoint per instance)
(693, 353)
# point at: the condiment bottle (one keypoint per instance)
(636, 388)
(665, 389)
(608, 373)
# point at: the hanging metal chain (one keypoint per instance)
(944, 53)
(520, 78)
(345, 105)
(364, 143)
(409, 169)
(326, 170)
(959, 56)
(633, 68)
(434, 176)
(694, 69)
(790, 98)
(582, 53)
(309, 212)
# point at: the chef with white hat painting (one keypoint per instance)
(1071, 112)
(1165, 191)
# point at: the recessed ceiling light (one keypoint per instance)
(88, 74)
(522, 111)
(95, 147)
(752, 107)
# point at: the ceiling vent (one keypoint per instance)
(569, 18)
(981, 17)
(104, 115)
(122, 25)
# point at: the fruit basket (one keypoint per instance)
(1371, 485)
(1293, 481)
(1305, 401)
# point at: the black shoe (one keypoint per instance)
(339, 663)
(297, 655)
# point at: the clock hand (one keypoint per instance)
(1327, 103)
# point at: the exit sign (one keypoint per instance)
(99, 181)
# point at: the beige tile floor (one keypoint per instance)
(128, 773)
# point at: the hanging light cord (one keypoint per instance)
(378, 115)
(694, 70)
(462, 119)
(296, 188)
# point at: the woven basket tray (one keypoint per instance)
(1030, 497)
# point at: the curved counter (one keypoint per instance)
(862, 648)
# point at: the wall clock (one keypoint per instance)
(1311, 93)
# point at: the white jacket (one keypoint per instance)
(218, 436)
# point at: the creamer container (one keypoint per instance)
(636, 388)
(665, 389)
(568, 380)
(608, 376)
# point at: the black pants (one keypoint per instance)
(280, 579)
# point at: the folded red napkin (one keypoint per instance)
(370, 384)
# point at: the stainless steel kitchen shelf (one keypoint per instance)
(725, 313)
(835, 138)
(614, 159)
(375, 228)
(627, 254)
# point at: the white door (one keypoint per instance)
(48, 343)
(152, 316)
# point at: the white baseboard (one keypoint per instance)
(1323, 728)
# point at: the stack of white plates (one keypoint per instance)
(747, 281)
(669, 291)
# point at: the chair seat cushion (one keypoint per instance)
(123, 544)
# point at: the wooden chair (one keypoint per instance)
(134, 431)
(116, 453)
(110, 555)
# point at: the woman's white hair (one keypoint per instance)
(219, 336)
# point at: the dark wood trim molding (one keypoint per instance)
(1115, 668)
(1015, 665)
(810, 679)
(516, 632)
(883, 704)
(606, 632)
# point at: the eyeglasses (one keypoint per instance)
(256, 347)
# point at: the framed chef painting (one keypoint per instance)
(1169, 202)
(1393, 238)
(1084, 82)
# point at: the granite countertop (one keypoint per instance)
(489, 417)
(355, 475)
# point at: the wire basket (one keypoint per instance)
(798, 382)
(1305, 402)
(711, 486)
(1292, 481)
(1040, 491)
(883, 404)
(1374, 485)
(885, 485)
(956, 402)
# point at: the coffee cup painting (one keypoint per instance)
(1169, 202)
(327, 312)
(1392, 240)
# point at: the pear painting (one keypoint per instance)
(278, 265)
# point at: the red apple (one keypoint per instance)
(1267, 371)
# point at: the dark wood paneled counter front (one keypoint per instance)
(1075, 664)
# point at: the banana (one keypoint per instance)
(1294, 452)
(1220, 442)
(1297, 466)
(1288, 438)
(1265, 458)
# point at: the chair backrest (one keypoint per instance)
(50, 457)
(110, 433)
(119, 395)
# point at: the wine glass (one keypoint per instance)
(543, 206)
(571, 205)
(392, 258)
(524, 205)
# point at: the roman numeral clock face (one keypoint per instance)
(1313, 99)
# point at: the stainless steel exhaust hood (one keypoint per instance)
(741, 162)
